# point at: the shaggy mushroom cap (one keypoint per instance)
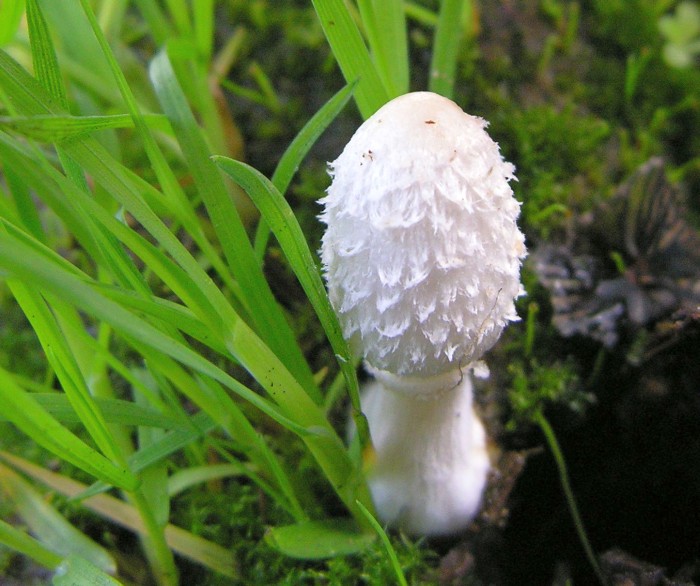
(422, 253)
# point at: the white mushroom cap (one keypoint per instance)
(422, 253)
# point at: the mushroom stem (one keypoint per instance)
(431, 462)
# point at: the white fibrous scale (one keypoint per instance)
(422, 253)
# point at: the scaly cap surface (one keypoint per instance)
(422, 253)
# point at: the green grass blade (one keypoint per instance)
(391, 553)
(48, 524)
(211, 397)
(16, 233)
(62, 359)
(127, 188)
(172, 442)
(49, 75)
(72, 31)
(158, 25)
(19, 86)
(62, 334)
(385, 26)
(72, 205)
(43, 54)
(243, 335)
(317, 540)
(26, 95)
(297, 150)
(558, 456)
(420, 14)
(33, 420)
(113, 411)
(298, 413)
(203, 19)
(191, 546)
(24, 261)
(352, 55)
(176, 198)
(308, 135)
(76, 570)
(11, 12)
(276, 211)
(258, 451)
(170, 313)
(26, 545)
(93, 353)
(59, 128)
(154, 479)
(95, 359)
(28, 215)
(268, 318)
(448, 35)
(181, 16)
(111, 15)
(184, 479)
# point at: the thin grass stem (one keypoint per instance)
(155, 544)
(448, 35)
(551, 438)
(391, 553)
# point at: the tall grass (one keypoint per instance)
(152, 345)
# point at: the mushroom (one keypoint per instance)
(422, 256)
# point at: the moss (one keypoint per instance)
(558, 154)
(237, 518)
(624, 26)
